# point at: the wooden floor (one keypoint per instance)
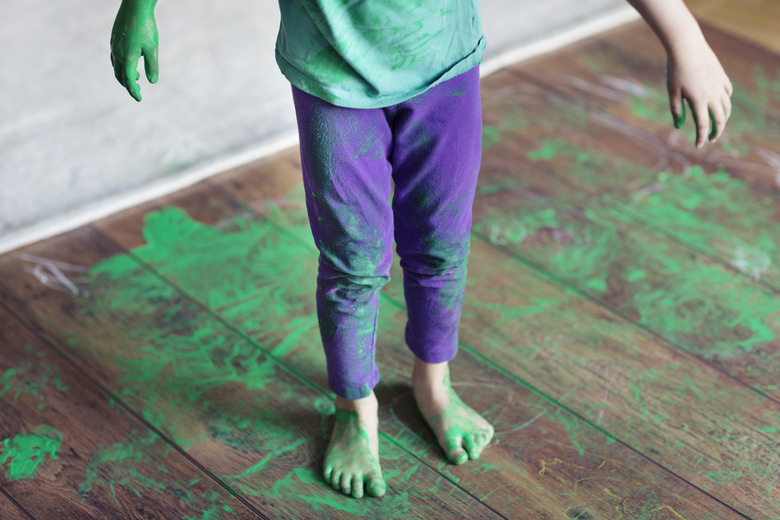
(620, 328)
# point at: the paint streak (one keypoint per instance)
(25, 453)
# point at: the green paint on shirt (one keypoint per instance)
(362, 54)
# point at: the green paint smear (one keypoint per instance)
(305, 485)
(698, 304)
(31, 376)
(26, 452)
(250, 276)
(126, 465)
(175, 360)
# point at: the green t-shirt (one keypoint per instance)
(376, 53)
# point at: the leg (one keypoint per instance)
(346, 175)
(435, 166)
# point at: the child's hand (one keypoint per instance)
(697, 76)
(134, 35)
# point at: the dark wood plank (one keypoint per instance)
(68, 452)
(631, 211)
(556, 340)
(10, 510)
(258, 426)
(392, 321)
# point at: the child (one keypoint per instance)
(390, 89)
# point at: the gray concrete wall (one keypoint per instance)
(71, 137)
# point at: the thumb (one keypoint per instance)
(151, 65)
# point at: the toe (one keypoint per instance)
(327, 473)
(472, 446)
(455, 452)
(346, 484)
(335, 479)
(483, 439)
(357, 487)
(376, 487)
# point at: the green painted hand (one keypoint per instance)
(134, 35)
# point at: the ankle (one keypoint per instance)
(365, 404)
(429, 374)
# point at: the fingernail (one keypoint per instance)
(676, 121)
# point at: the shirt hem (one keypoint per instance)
(336, 97)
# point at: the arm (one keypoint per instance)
(134, 35)
(693, 71)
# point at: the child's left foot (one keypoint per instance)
(460, 430)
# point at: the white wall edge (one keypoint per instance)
(614, 18)
(84, 215)
(89, 213)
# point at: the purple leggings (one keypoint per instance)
(430, 145)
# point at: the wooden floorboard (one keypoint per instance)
(260, 428)
(532, 434)
(10, 509)
(634, 207)
(70, 452)
(555, 340)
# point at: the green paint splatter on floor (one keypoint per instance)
(305, 485)
(716, 312)
(167, 346)
(25, 453)
(31, 377)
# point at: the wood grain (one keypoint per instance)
(522, 428)
(258, 426)
(70, 452)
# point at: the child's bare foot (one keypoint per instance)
(352, 458)
(461, 431)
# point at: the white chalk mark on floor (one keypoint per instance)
(50, 273)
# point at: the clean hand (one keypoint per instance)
(699, 79)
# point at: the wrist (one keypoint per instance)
(684, 39)
(142, 7)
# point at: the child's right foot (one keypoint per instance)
(352, 458)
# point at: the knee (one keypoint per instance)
(354, 275)
(436, 260)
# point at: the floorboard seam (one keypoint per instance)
(17, 504)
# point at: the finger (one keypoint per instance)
(131, 77)
(726, 102)
(151, 65)
(677, 107)
(729, 88)
(718, 118)
(701, 119)
(118, 72)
